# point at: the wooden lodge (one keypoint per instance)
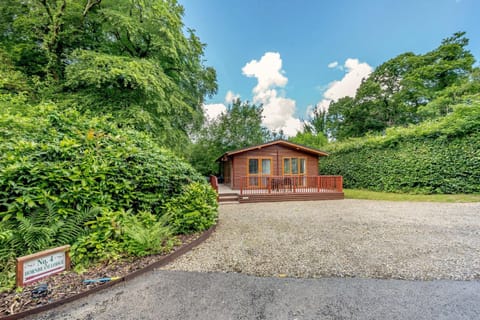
(276, 171)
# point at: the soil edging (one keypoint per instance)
(157, 264)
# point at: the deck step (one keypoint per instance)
(229, 202)
(223, 196)
(223, 199)
(228, 198)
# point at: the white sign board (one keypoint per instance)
(42, 264)
(36, 269)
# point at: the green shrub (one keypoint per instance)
(42, 229)
(78, 162)
(195, 209)
(56, 164)
(434, 157)
(114, 234)
(144, 234)
(7, 274)
(102, 243)
(7, 259)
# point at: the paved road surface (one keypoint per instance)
(193, 295)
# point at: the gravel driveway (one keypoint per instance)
(343, 238)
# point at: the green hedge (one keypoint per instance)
(79, 162)
(73, 178)
(195, 209)
(433, 157)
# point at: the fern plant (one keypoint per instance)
(43, 228)
(145, 235)
(7, 259)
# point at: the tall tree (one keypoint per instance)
(314, 130)
(240, 126)
(341, 119)
(132, 58)
(461, 92)
(310, 139)
(393, 94)
(317, 122)
(11, 81)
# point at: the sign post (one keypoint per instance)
(42, 264)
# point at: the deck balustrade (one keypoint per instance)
(290, 184)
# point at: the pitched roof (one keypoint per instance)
(284, 143)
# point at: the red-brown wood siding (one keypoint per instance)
(276, 153)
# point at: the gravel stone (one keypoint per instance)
(343, 238)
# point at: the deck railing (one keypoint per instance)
(290, 184)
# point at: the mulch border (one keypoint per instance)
(162, 262)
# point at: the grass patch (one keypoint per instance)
(373, 195)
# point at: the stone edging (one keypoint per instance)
(162, 262)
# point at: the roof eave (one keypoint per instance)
(296, 146)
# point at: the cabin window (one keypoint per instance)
(294, 166)
(286, 166)
(260, 166)
(266, 166)
(253, 166)
(302, 166)
(259, 170)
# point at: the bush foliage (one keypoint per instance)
(70, 172)
(433, 157)
(69, 177)
(195, 209)
(115, 234)
(80, 162)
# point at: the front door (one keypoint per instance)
(259, 172)
(296, 169)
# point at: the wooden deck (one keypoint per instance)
(291, 197)
(282, 188)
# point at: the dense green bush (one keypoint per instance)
(195, 209)
(79, 162)
(145, 234)
(118, 233)
(434, 157)
(65, 175)
(104, 241)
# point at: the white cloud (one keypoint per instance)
(348, 85)
(309, 111)
(333, 64)
(278, 110)
(268, 72)
(230, 97)
(213, 110)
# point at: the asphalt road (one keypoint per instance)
(193, 295)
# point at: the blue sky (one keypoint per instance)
(293, 55)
